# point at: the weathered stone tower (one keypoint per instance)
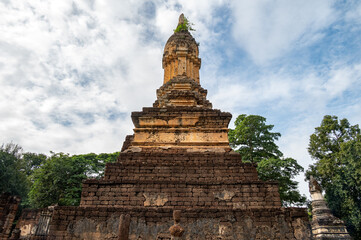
(178, 166)
(325, 226)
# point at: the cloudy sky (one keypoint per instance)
(72, 71)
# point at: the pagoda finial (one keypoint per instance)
(181, 19)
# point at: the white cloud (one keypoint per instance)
(253, 92)
(71, 72)
(342, 79)
(310, 92)
(354, 14)
(268, 29)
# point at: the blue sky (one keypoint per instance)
(71, 72)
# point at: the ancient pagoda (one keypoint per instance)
(325, 226)
(176, 176)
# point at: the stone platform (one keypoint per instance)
(180, 179)
(219, 198)
(200, 224)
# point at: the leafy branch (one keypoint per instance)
(185, 26)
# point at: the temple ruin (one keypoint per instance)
(176, 176)
(179, 159)
(324, 224)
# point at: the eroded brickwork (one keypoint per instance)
(168, 194)
(154, 223)
(8, 207)
(28, 222)
(181, 127)
(181, 180)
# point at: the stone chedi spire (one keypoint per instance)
(181, 117)
(178, 166)
(324, 224)
(180, 57)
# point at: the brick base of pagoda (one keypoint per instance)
(219, 197)
(199, 223)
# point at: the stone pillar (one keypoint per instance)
(191, 68)
(188, 63)
(8, 207)
(182, 65)
(324, 224)
(124, 223)
(196, 73)
(176, 65)
(165, 72)
(176, 230)
(170, 71)
(167, 66)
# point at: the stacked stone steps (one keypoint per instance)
(176, 178)
(239, 195)
(180, 166)
(181, 173)
(199, 223)
(186, 127)
(186, 89)
(171, 156)
(207, 118)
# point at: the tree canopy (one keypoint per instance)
(59, 179)
(255, 141)
(253, 138)
(41, 181)
(13, 169)
(283, 170)
(336, 148)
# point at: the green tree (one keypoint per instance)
(13, 177)
(325, 144)
(184, 25)
(336, 148)
(283, 170)
(33, 161)
(255, 141)
(59, 179)
(253, 138)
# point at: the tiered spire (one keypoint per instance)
(180, 57)
(324, 224)
(181, 117)
(181, 71)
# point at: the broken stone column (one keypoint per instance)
(8, 207)
(324, 224)
(176, 230)
(124, 223)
